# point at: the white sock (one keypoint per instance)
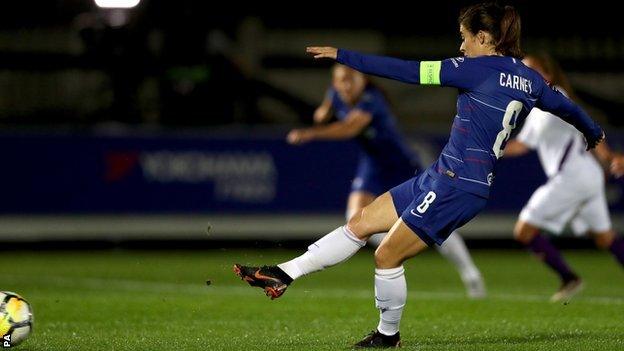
(333, 248)
(390, 297)
(454, 249)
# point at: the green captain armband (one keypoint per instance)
(430, 72)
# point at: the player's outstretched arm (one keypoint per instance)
(382, 66)
(553, 101)
(617, 165)
(355, 122)
(323, 52)
(612, 161)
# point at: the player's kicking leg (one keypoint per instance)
(332, 249)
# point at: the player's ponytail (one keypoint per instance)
(509, 42)
(501, 22)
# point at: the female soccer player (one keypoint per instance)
(385, 158)
(575, 191)
(496, 91)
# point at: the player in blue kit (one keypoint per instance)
(362, 114)
(385, 158)
(496, 93)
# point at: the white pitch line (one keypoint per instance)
(200, 289)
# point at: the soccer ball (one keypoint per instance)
(16, 319)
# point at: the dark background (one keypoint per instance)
(193, 63)
(88, 96)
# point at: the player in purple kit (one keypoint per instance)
(496, 92)
(575, 191)
(385, 159)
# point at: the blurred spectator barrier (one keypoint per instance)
(69, 184)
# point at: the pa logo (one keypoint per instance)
(6, 341)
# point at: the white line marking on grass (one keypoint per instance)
(358, 293)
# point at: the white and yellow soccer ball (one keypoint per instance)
(16, 319)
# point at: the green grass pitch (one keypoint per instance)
(158, 300)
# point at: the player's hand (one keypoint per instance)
(298, 137)
(592, 141)
(323, 52)
(617, 166)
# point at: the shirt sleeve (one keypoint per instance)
(461, 72)
(553, 101)
(382, 66)
(458, 72)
